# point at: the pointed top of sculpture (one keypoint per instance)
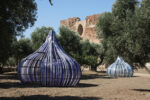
(119, 58)
(51, 36)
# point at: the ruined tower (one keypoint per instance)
(85, 28)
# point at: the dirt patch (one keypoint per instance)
(93, 86)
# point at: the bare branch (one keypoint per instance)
(51, 2)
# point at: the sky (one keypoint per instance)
(50, 16)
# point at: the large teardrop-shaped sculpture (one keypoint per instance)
(49, 66)
(120, 69)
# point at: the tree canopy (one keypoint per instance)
(125, 32)
(69, 40)
(15, 17)
(22, 48)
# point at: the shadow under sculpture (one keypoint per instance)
(120, 69)
(49, 66)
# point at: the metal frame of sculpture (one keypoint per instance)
(120, 69)
(49, 65)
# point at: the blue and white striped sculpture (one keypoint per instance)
(49, 66)
(120, 69)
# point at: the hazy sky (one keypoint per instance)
(62, 9)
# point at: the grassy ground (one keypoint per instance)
(93, 86)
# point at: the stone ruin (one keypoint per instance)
(85, 28)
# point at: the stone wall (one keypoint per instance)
(91, 20)
(85, 28)
(70, 22)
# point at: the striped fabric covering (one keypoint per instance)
(49, 66)
(120, 69)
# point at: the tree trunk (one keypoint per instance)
(1, 69)
(93, 68)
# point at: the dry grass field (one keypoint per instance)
(93, 86)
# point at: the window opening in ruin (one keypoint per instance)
(80, 29)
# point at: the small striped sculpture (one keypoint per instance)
(49, 66)
(120, 69)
